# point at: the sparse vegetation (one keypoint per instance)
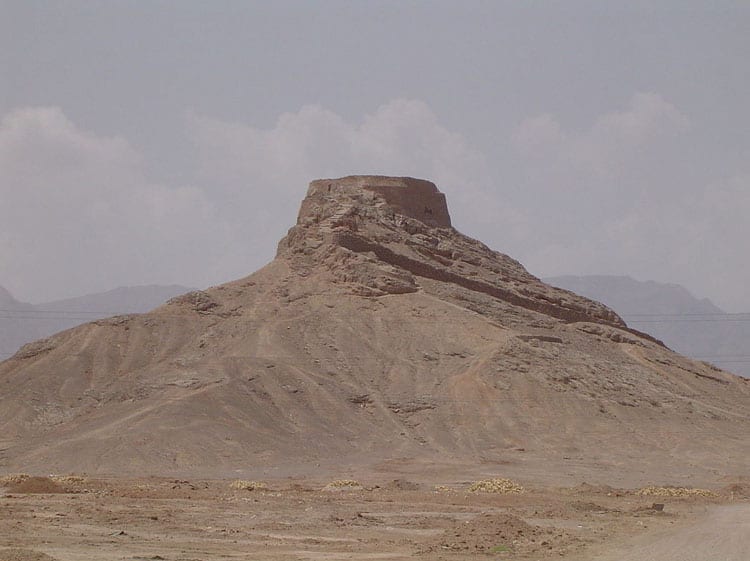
(68, 479)
(343, 485)
(12, 478)
(497, 485)
(653, 491)
(245, 485)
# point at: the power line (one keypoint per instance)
(722, 356)
(77, 312)
(693, 320)
(682, 314)
(740, 315)
(93, 316)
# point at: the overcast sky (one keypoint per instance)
(172, 142)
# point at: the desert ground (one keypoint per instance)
(80, 518)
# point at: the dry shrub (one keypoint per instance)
(13, 478)
(69, 479)
(443, 489)
(674, 492)
(244, 485)
(497, 485)
(343, 485)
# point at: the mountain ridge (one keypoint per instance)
(692, 326)
(22, 323)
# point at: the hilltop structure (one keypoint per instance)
(379, 338)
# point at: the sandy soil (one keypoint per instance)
(722, 532)
(142, 519)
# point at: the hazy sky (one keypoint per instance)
(171, 142)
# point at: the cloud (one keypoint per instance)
(262, 173)
(612, 142)
(701, 237)
(599, 173)
(613, 199)
(538, 134)
(402, 137)
(78, 214)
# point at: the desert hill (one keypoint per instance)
(22, 323)
(691, 326)
(379, 338)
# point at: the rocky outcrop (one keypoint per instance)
(415, 198)
(401, 230)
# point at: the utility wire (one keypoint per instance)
(90, 316)
(742, 315)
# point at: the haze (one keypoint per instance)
(171, 142)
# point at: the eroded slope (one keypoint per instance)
(378, 338)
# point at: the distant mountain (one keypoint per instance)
(15, 328)
(689, 325)
(21, 323)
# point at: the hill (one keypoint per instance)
(691, 326)
(380, 338)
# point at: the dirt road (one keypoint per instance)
(722, 533)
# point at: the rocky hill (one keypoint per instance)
(379, 338)
(694, 327)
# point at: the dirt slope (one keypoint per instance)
(379, 338)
